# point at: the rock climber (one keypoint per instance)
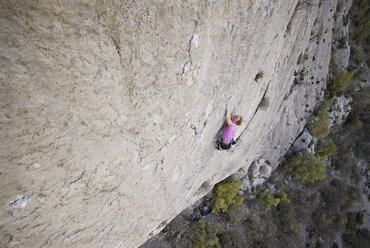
(228, 131)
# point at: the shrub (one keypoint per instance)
(352, 194)
(260, 231)
(344, 161)
(321, 111)
(358, 74)
(320, 33)
(305, 168)
(204, 235)
(226, 239)
(258, 76)
(361, 101)
(360, 20)
(325, 150)
(335, 199)
(354, 219)
(226, 193)
(353, 236)
(319, 128)
(358, 239)
(268, 199)
(356, 55)
(353, 123)
(342, 43)
(236, 213)
(283, 197)
(304, 73)
(340, 82)
(286, 218)
(328, 222)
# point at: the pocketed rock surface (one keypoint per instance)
(110, 110)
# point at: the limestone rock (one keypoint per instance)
(304, 144)
(110, 109)
(258, 173)
(341, 46)
(341, 26)
(363, 85)
(341, 57)
(339, 111)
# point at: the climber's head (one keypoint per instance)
(237, 119)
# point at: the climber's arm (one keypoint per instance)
(228, 117)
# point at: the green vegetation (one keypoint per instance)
(204, 235)
(353, 235)
(304, 73)
(320, 128)
(269, 200)
(340, 82)
(354, 219)
(226, 239)
(353, 122)
(320, 33)
(355, 54)
(283, 197)
(305, 168)
(343, 43)
(235, 213)
(286, 217)
(225, 194)
(358, 239)
(325, 150)
(361, 21)
(321, 110)
(361, 102)
(260, 231)
(335, 199)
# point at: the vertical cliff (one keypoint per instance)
(110, 110)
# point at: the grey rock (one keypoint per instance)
(110, 109)
(304, 144)
(342, 54)
(251, 197)
(270, 187)
(363, 85)
(341, 57)
(258, 173)
(339, 111)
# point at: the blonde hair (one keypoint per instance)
(239, 122)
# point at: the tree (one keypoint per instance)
(305, 168)
(225, 194)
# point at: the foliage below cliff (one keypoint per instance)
(225, 194)
(204, 235)
(305, 168)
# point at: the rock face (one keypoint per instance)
(110, 109)
(339, 111)
(341, 47)
(258, 173)
(304, 144)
